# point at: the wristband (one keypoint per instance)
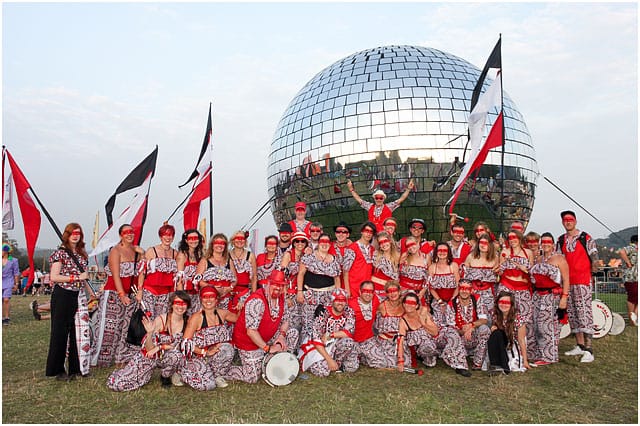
(120, 293)
(400, 362)
(283, 333)
(266, 348)
(72, 278)
(565, 294)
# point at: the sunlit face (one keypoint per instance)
(76, 236)
(367, 234)
(569, 222)
(239, 241)
(324, 243)
(209, 300)
(219, 245)
(464, 291)
(384, 244)
(547, 244)
(410, 304)
(127, 234)
(514, 241)
(504, 304)
(412, 246)
(480, 230)
(457, 234)
(378, 200)
(271, 245)
(193, 240)
(393, 293)
(315, 232)
(367, 293)
(342, 234)
(179, 306)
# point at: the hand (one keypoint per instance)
(563, 303)
(148, 324)
(138, 250)
(349, 185)
(468, 334)
(333, 366)
(280, 343)
(139, 296)
(300, 297)
(411, 185)
(125, 299)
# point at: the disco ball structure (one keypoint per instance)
(383, 115)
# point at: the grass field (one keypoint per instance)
(605, 391)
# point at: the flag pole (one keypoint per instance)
(502, 150)
(211, 180)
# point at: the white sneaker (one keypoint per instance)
(587, 357)
(176, 380)
(634, 319)
(221, 382)
(574, 351)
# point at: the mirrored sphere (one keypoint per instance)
(382, 116)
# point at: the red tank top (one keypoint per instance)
(268, 326)
(579, 264)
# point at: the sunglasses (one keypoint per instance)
(341, 231)
(391, 224)
(179, 302)
(167, 234)
(299, 241)
(530, 241)
(569, 220)
(411, 244)
(383, 241)
(239, 239)
(465, 288)
(196, 238)
(410, 302)
(367, 291)
(513, 237)
(127, 232)
(76, 233)
(483, 243)
(208, 296)
(445, 251)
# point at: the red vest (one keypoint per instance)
(360, 270)
(306, 229)
(268, 326)
(364, 328)
(378, 221)
(579, 264)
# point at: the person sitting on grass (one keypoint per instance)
(39, 310)
(160, 348)
(507, 346)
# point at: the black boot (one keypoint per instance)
(166, 381)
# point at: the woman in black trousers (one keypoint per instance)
(69, 277)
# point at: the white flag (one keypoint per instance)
(7, 205)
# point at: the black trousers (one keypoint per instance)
(64, 304)
(497, 349)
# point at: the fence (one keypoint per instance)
(609, 287)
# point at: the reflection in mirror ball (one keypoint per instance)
(381, 116)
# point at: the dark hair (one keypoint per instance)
(548, 235)
(456, 225)
(506, 324)
(634, 239)
(182, 295)
(519, 235)
(67, 234)
(369, 225)
(475, 253)
(270, 237)
(413, 295)
(124, 225)
(366, 282)
(434, 254)
(164, 228)
(184, 247)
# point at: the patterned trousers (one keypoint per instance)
(579, 309)
(111, 326)
(201, 373)
(139, 370)
(477, 344)
(450, 348)
(377, 352)
(546, 326)
(157, 305)
(344, 352)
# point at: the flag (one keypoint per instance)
(494, 61)
(205, 146)
(133, 215)
(96, 231)
(30, 213)
(135, 179)
(481, 105)
(201, 191)
(7, 206)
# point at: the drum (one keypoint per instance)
(602, 318)
(618, 324)
(280, 368)
(565, 331)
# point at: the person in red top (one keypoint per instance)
(460, 248)
(364, 307)
(362, 266)
(378, 211)
(262, 328)
(300, 223)
(340, 249)
(581, 253)
(416, 229)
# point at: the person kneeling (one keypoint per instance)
(331, 346)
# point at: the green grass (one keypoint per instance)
(605, 391)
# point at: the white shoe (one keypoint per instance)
(634, 319)
(221, 382)
(176, 380)
(587, 357)
(574, 351)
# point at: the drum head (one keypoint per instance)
(602, 319)
(618, 324)
(281, 369)
(565, 331)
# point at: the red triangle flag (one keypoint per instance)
(201, 192)
(30, 213)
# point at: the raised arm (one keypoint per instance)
(354, 194)
(406, 192)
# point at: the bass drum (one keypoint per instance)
(602, 318)
(565, 331)
(618, 324)
(280, 368)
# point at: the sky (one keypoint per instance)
(89, 89)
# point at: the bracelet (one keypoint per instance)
(283, 333)
(72, 278)
(266, 348)
(120, 293)
(400, 362)
(565, 294)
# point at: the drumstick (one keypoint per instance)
(412, 371)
